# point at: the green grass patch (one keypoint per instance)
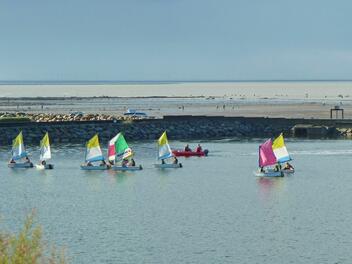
(14, 119)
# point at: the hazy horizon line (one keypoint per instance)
(24, 82)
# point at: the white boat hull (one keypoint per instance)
(20, 165)
(121, 168)
(288, 171)
(94, 168)
(269, 174)
(44, 167)
(168, 166)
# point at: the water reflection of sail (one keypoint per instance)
(269, 187)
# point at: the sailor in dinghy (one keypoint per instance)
(19, 155)
(45, 154)
(120, 152)
(268, 164)
(165, 153)
(94, 154)
(282, 155)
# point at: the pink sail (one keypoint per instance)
(111, 148)
(266, 154)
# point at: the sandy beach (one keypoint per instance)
(271, 99)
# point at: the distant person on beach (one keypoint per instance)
(187, 148)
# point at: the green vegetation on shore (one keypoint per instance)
(14, 119)
(28, 246)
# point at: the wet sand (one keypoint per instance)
(179, 106)
(269, 99)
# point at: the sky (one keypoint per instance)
(136, 40)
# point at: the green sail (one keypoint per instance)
(123, 151)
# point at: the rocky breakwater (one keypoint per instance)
(178, 127)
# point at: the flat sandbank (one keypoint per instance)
(268, 99)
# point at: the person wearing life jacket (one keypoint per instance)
(288, 166)
(132, 163)
(124, 162)
(199, 148)
(175, 161)
(187, 148)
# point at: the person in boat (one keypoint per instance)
(132, 163)
(111, 162)
(124, 162)
(187, 148)
(89, 164)
(277, 167)
(261, 169)
(199, 148)
(175, 161)
(103, 163)
(162, 161)
(27, 160)
(288, 166)
(12, 161)
(43, 162)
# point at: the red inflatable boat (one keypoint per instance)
(182, 153)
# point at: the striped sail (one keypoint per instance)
(93, 151)
(112, 149)
(45, 152)
(18, 150)
(123, 151)
(280, 150)
(164, 148)
(266, 154)
(118, 148)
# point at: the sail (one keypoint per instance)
(164, 148)
(280, 150)
(111, 148)
(45, 152)
(266, 154)
(18, 150)
(93, 152)
(123, 151)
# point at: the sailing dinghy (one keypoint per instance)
(19, 155)
(45, 154)
(267, 161)
(282, 155)
(120, 152)
(94, 154)
(165, 153)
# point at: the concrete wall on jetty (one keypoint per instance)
(178, 127)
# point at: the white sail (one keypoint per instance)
(45, 151)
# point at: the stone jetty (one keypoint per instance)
(78, 129)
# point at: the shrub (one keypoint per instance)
(14, 119)
(28, 247)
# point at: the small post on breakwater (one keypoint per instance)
(337, 109)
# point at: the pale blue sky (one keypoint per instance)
(175, 39)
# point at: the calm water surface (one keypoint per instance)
(214, 210)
